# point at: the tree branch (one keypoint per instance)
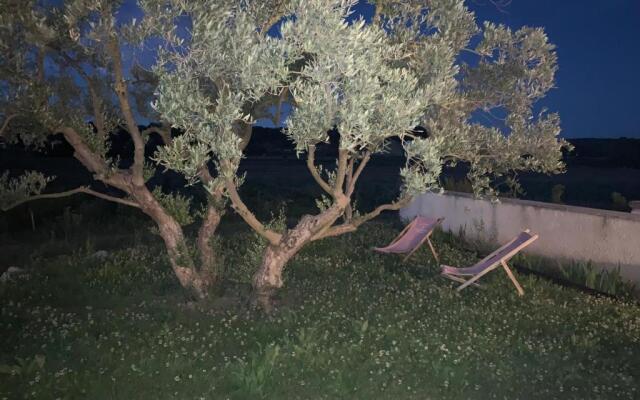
(336, 231)
(348, 211)
(363, 163)
(275, 17)
(349, 175)
(40, 61)
(93, 162)
(248, 216)
(341, 173)
(6, 122)
(385, 207)
(123, 97)
(245, 131)
(82, 189)
(83, 153)
(354, 224)
(281, 98)
(163, 131)
(96, 104)
(311, 158)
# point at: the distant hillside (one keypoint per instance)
(599, 153)
(605, 153)
(269, 142)
(597, 168)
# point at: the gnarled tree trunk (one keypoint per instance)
(209, 263)
(268, 278)
(195, 280)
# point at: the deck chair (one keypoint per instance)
(412, 237)
(491, 262)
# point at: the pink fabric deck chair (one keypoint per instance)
(412, 237)
(491, 262)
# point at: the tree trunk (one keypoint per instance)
(268, 279)
(209, 264)
(196, 281)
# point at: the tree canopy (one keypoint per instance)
(217, 71)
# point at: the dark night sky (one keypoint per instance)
(598, 44)
(599, 58)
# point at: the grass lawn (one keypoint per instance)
(350, 324)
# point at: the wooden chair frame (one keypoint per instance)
(501, 262)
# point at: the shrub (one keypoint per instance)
(557, 194)
(619, 202)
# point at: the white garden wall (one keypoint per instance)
(607, 238)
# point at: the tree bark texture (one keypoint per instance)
(268, 278)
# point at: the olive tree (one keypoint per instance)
(371, 82)
(73, 68)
